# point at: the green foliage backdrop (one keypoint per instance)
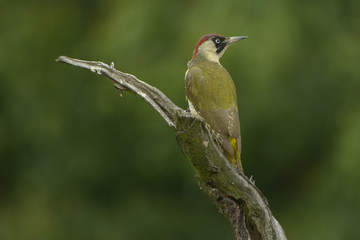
(77, 161)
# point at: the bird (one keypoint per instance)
(211, 94)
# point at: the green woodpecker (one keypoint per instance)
(211, 94)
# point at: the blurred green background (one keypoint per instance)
(77, 161)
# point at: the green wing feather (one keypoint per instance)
(212, 93)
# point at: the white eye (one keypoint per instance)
(217, 40)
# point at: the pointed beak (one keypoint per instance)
(231, 40)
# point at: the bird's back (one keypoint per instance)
(211, 91)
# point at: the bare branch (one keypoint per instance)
(127, 82)
(237, 197)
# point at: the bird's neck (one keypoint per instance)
(204, 58)
(209, 56)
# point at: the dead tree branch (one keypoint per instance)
(237, 198)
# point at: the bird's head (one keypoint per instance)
(212, 46)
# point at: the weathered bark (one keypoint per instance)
(237, 197)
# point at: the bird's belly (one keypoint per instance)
(193, 111)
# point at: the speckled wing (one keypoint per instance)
(211, 93)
